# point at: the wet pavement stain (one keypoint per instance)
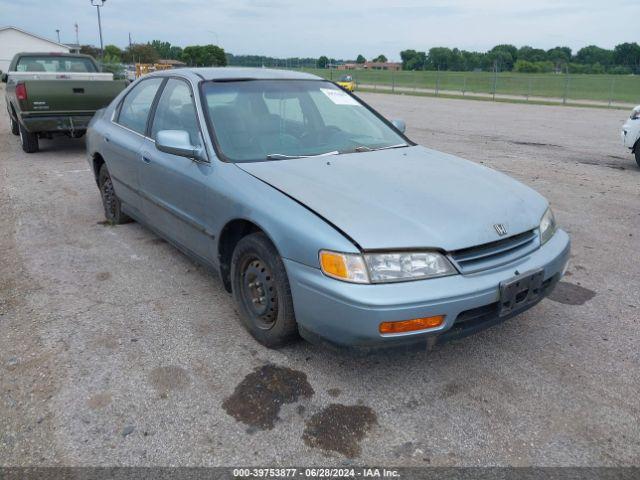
(256, 401)
(167, 379)
(571, 294)
(102, 276)
(334, 392)
(339, 428)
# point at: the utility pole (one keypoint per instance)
(58, 33)
(98, 4)
(77, 37)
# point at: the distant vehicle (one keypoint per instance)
(55, 93)
(631, 133)
(347, 82)
(322, 217)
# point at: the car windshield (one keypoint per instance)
(258, 120)
(346, 78)
(55, 64)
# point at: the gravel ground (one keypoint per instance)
(117, 350)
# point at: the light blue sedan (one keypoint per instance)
(321, 217)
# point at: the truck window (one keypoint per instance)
(134, 110)
(55, 64)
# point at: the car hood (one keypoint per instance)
(406, 198)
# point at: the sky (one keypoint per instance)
(336, 28)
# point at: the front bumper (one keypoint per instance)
(350, 314)
(630, 133)
(56, 123)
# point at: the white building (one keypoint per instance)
(13, 40)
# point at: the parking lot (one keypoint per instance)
(117, 350)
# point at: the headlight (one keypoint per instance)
(635, 113)
(547, 226)
(385, 267)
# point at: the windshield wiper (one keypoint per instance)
(364, 148)
(282, 156)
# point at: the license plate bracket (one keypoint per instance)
(520, 291)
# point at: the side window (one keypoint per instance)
(135, 108)
(176, 111)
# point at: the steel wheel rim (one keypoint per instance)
(258, 291)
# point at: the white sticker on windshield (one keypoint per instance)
(339, 97)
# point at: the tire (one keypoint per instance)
(110, 201)
(637, 154)
(15, 127)
(28, 140)
(261, 290)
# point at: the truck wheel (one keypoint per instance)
(28, 140)
(110, 201)
(637, 154)
(15, 127)
(261, 290)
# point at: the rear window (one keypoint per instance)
(55, 64)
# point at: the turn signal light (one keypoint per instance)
(411, 325)
(333, 264)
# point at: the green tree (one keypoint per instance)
(113, 52)
(204, 56)
(504, 56)
(560, 56)
(175, 52)
(594, 54)
(440, 58)
(627, 55)
(361, 59)
(323, 62)
(380, 58)
(163, 48)
(90, 50)
(140, 53)
(412, 60)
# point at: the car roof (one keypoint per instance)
(244, 73)
(52, 54)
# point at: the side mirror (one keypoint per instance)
(399, 124)
(177, 142)
(4, 77)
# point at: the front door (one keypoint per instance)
(175, 191)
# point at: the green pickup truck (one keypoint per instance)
(55, 93)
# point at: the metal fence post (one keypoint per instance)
(611, 91)
(464, 84)
(393, 81)
(495, 81)
(437, 81)
(529, 90)
(566, 89)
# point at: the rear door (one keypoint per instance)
(124, 139)
(174, 188)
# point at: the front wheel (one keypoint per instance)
(110, 201)
(261, 290)
(28, 140)
(637, 154)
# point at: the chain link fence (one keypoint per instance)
(597, 90)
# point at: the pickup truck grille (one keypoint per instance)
(495, 254)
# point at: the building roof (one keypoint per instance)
(230, 73)
(168, 61)
(10, 27)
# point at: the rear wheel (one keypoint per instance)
(110, 201)
(28, 140)
(15, 128)
(261, 290)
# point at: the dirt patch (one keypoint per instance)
(102, 276)
(339, 428)
(571, 294)
(536, 144)
(99, 401)
(256, 401)
(167, 379)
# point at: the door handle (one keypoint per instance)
(146, 159)
(107, 139)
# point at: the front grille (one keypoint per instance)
(495, 254)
